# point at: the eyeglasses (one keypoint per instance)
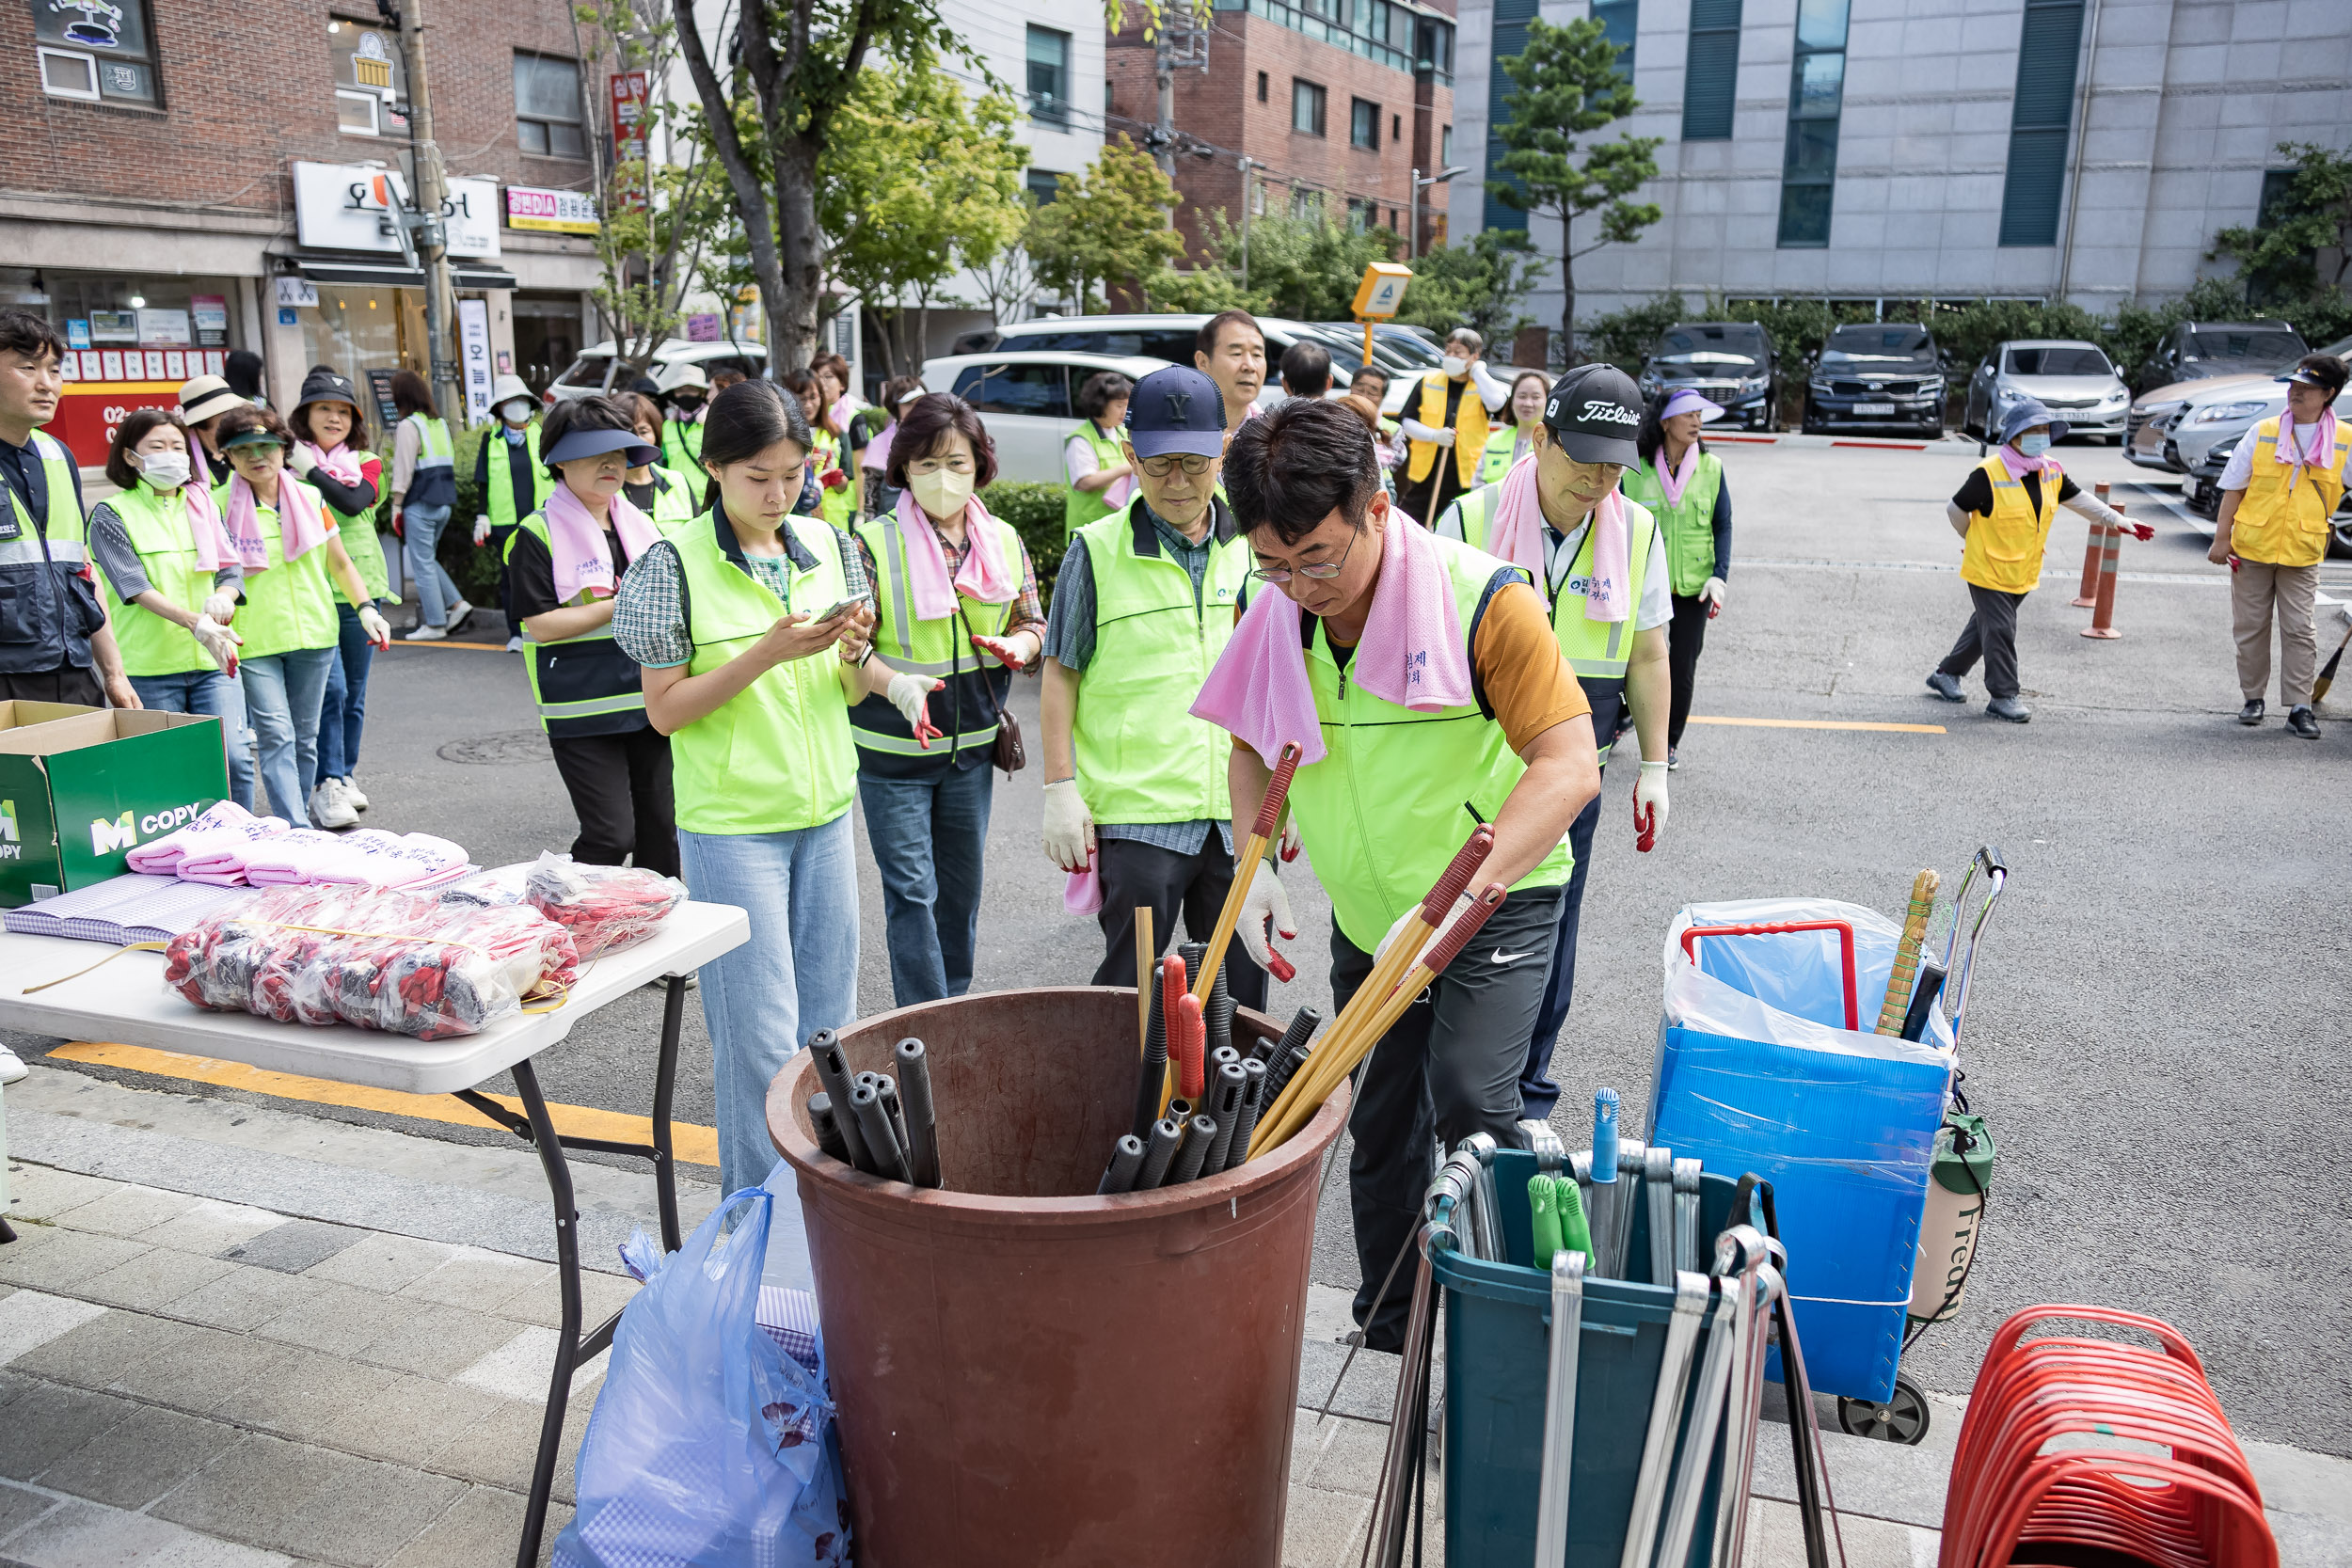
(1160, 468)
(1321, 571)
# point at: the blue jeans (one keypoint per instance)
(929, 835)
(212, 693)
(283, 691)
(421, 534)
(343, 712)
(796, 975)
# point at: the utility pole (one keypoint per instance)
(1248, 166)
(430, 200)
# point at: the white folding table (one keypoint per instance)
(125, 1000)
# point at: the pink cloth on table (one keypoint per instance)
(1672, 480)
(576, 543)
(1082, 891)
(225, 822)
(1515, 532)
(389, 860)
(1412, 653)
(983, 577)
(301, 523)
(291, 858)
(1258, 688)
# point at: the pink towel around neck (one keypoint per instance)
(213, 547)
(2019, 465)
(1258, 688)
(1605, 591)
(576, 544)
(2315, 450)
(984, 575)
(301, 524)
(1412, 653)
(1672, 480)
(1515, 532)
(342, 461)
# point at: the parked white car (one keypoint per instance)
(2071, 378)
(1028, 400)
(598, 369)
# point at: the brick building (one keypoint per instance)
(182, 178)
(1332, 103)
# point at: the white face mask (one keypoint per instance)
(516, 411)
(941, 494)
(165, 470)
(1453, 365)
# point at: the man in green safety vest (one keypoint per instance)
(1423, 738)
(511, 480)
(685, 390)
(1143, 606)
(1554, 512)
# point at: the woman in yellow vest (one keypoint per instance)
(1095, 469)
(1682, 484)
(172, 630)
(278, 529)
(664, 494)
(2003, 511)
(837, 488)
(958, 612)
(1510, 441)
(331, 455)
(1449, 416)
(2279, 491)
(751, 622)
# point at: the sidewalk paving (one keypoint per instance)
(233, 1337)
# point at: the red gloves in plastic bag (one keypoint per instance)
(603, 906)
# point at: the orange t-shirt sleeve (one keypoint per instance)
(1527, 682)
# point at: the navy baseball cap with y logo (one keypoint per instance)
(1593, 412)
(1176, 409)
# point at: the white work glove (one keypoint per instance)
(1713, 591)
(379, 631)
(1649, 806)
(220, 643)
(1068, 827)
(1445, 437)
(910, 695)
(482, 528)
(1412, 917)
(1287, 848)
(1265, 900)
(220, 609)
(300, 461)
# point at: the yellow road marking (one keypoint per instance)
(1819, 725)
(697, 1145)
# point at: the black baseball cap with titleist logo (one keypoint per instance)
(1593, 412)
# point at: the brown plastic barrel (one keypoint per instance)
(1027, 1377)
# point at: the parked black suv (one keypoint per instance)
(1877, 376)
(1731, 363)
(2195, 351)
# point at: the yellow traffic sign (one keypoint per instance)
(1381, 294)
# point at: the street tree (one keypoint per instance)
(2304, 241)
(1480, 284)
(919, 178)
(1107, 225)
(1565, 86)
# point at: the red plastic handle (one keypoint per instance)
(1194, 1077)
(1781, 927)
(1458, 938)
(1466, 859)
(1270, 809)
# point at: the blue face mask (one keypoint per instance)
(2033, 445)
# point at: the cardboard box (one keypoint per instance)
(80, 786)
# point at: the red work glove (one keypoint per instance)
(1000, 649)
(911, 695)
(834, 479)
(396, 531)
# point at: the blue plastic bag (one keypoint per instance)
(710, 1447)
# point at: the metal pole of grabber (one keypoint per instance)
(2110, 559)
(2088, 594)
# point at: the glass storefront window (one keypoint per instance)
(120, 327)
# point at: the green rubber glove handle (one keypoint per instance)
(1543, 1202)
(1575, 1234)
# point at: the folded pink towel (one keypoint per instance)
(379, 860)
(1082, 891)
(224, 821)
(1412, 653)
(1258, 688)
(291, 858)
(983, 577)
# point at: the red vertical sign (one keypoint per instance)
(629, 136)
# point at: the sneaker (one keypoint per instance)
(1946, 687)
(13, 1067)
(425, 634)
(351, 794)
(330, 811)
(515, 644)
(2009, 709)
(2252, 712)
(2303, 724)
(1674, 759)
(457, 613)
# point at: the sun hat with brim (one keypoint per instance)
(2028, 414)
(2308, 377)
(506, 388)
(259, 436)
(578, 444)
(680, 377)
(1685, 401)
(208, 397)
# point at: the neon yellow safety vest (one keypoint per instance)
(1142, 756)
(35, 592)
(497, 484)
(1596, 651)
(288, 605)
(967, 705)
(160, 537)
(2283, 519)
(434, 480)
(1386, 809)
(2003, 551)
(1081, 507)
(1690, 527)
(682, 446)
(1469, 429)
(673, 498)
(582, 684)
(1503, 449)
(837, 507)
(776, 757)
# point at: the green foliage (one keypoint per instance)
(1625, 337)
(2278, 256)
(1307, 268)
(1035, 512)
(1968, 334)
(1107, 226)
(1564, 85)
(1479, 285)
(473, 568)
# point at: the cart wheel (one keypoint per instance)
(1902, 1419)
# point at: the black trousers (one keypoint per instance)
(1684, 638)
(1448, 1068)
(620, 786)
(1414, 495)
(1169, 883)
(68, 682)
(1991, 635)
(499, 536)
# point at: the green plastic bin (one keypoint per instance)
(1498, 1336)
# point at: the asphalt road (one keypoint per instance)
(2158, 1028)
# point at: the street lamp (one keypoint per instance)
(1421, 182)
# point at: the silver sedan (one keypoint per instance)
(2071, 378)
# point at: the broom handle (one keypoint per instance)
(1906, 970)
(1146, 950)
(1245, 868)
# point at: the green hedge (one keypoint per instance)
(1035, 512)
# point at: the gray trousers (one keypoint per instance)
(1991, 634)
(2260, 592)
